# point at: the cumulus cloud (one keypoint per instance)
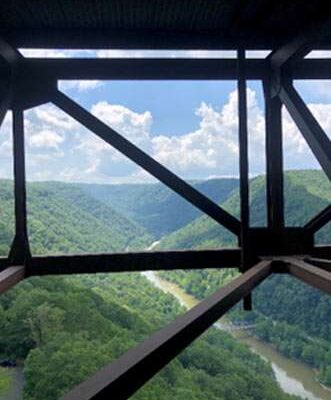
(59, 148)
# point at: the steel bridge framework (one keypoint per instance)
(262, 251)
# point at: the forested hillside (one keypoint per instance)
(64, 329)
(294, 317)
(63, 218)
(306, 193)
(155, 207)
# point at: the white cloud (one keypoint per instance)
(80, 86)
(59, 148)
(212, 149)
(46, 139)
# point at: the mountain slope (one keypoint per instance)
(291, 315)
(306, 193)
(155, 207)
(64, 218)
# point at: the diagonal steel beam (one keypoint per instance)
(146, 162)
(10, 277)
(320, 220)
(314, 276)
(301, 44)
(9, 61)
(311, 130)
(132, 370)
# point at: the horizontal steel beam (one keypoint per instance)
(319, 220)
(319, 262)
(126, 375)
(311, 130)
(140, 68)
(10, 277)
(321, 251)
(310, 274)
(94, 38)
(164, 69)
(141, 261)
(147, 162)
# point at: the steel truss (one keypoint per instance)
(26, 83)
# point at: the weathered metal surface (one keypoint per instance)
(10, 277)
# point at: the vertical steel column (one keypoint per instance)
(274, 159)
(243, 169)
(20, 250)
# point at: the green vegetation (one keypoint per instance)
(64, 329)
(64, 219)
(292, 316)
(68, 328)
(155, 207)
(4, 380)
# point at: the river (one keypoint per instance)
(292, 376)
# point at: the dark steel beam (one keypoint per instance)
(311, 130)
(140, 68)
(175, 183)
(20, 250)
(320, 220)
(135, 39)
(6, 94)
(274, 159)
(243, 169)
(310, 68)
(303, 43)
(163, 69)
(10, 277)
(321, 251)
(141, 261)
(126, 375)
(9, 59)
(319, 262)
(310, 274)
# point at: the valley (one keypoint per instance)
(41, 319)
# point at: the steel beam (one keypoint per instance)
(135, 39)
(140, 68)
(164, 69)
(320, 220)
(319, 262)
(243, 169)
(302, 44)
(126, 375)
(161, 69)
(314, 276)
(131, 151)
(274, 159)
(20, 250)
(141, 261)
(9, 59)
(321, 251)
(10, 277)
(316, 138)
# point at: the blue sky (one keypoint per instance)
(189, 126)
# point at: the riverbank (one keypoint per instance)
(15, 385)
(292, 376)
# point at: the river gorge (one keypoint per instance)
(292, 376)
